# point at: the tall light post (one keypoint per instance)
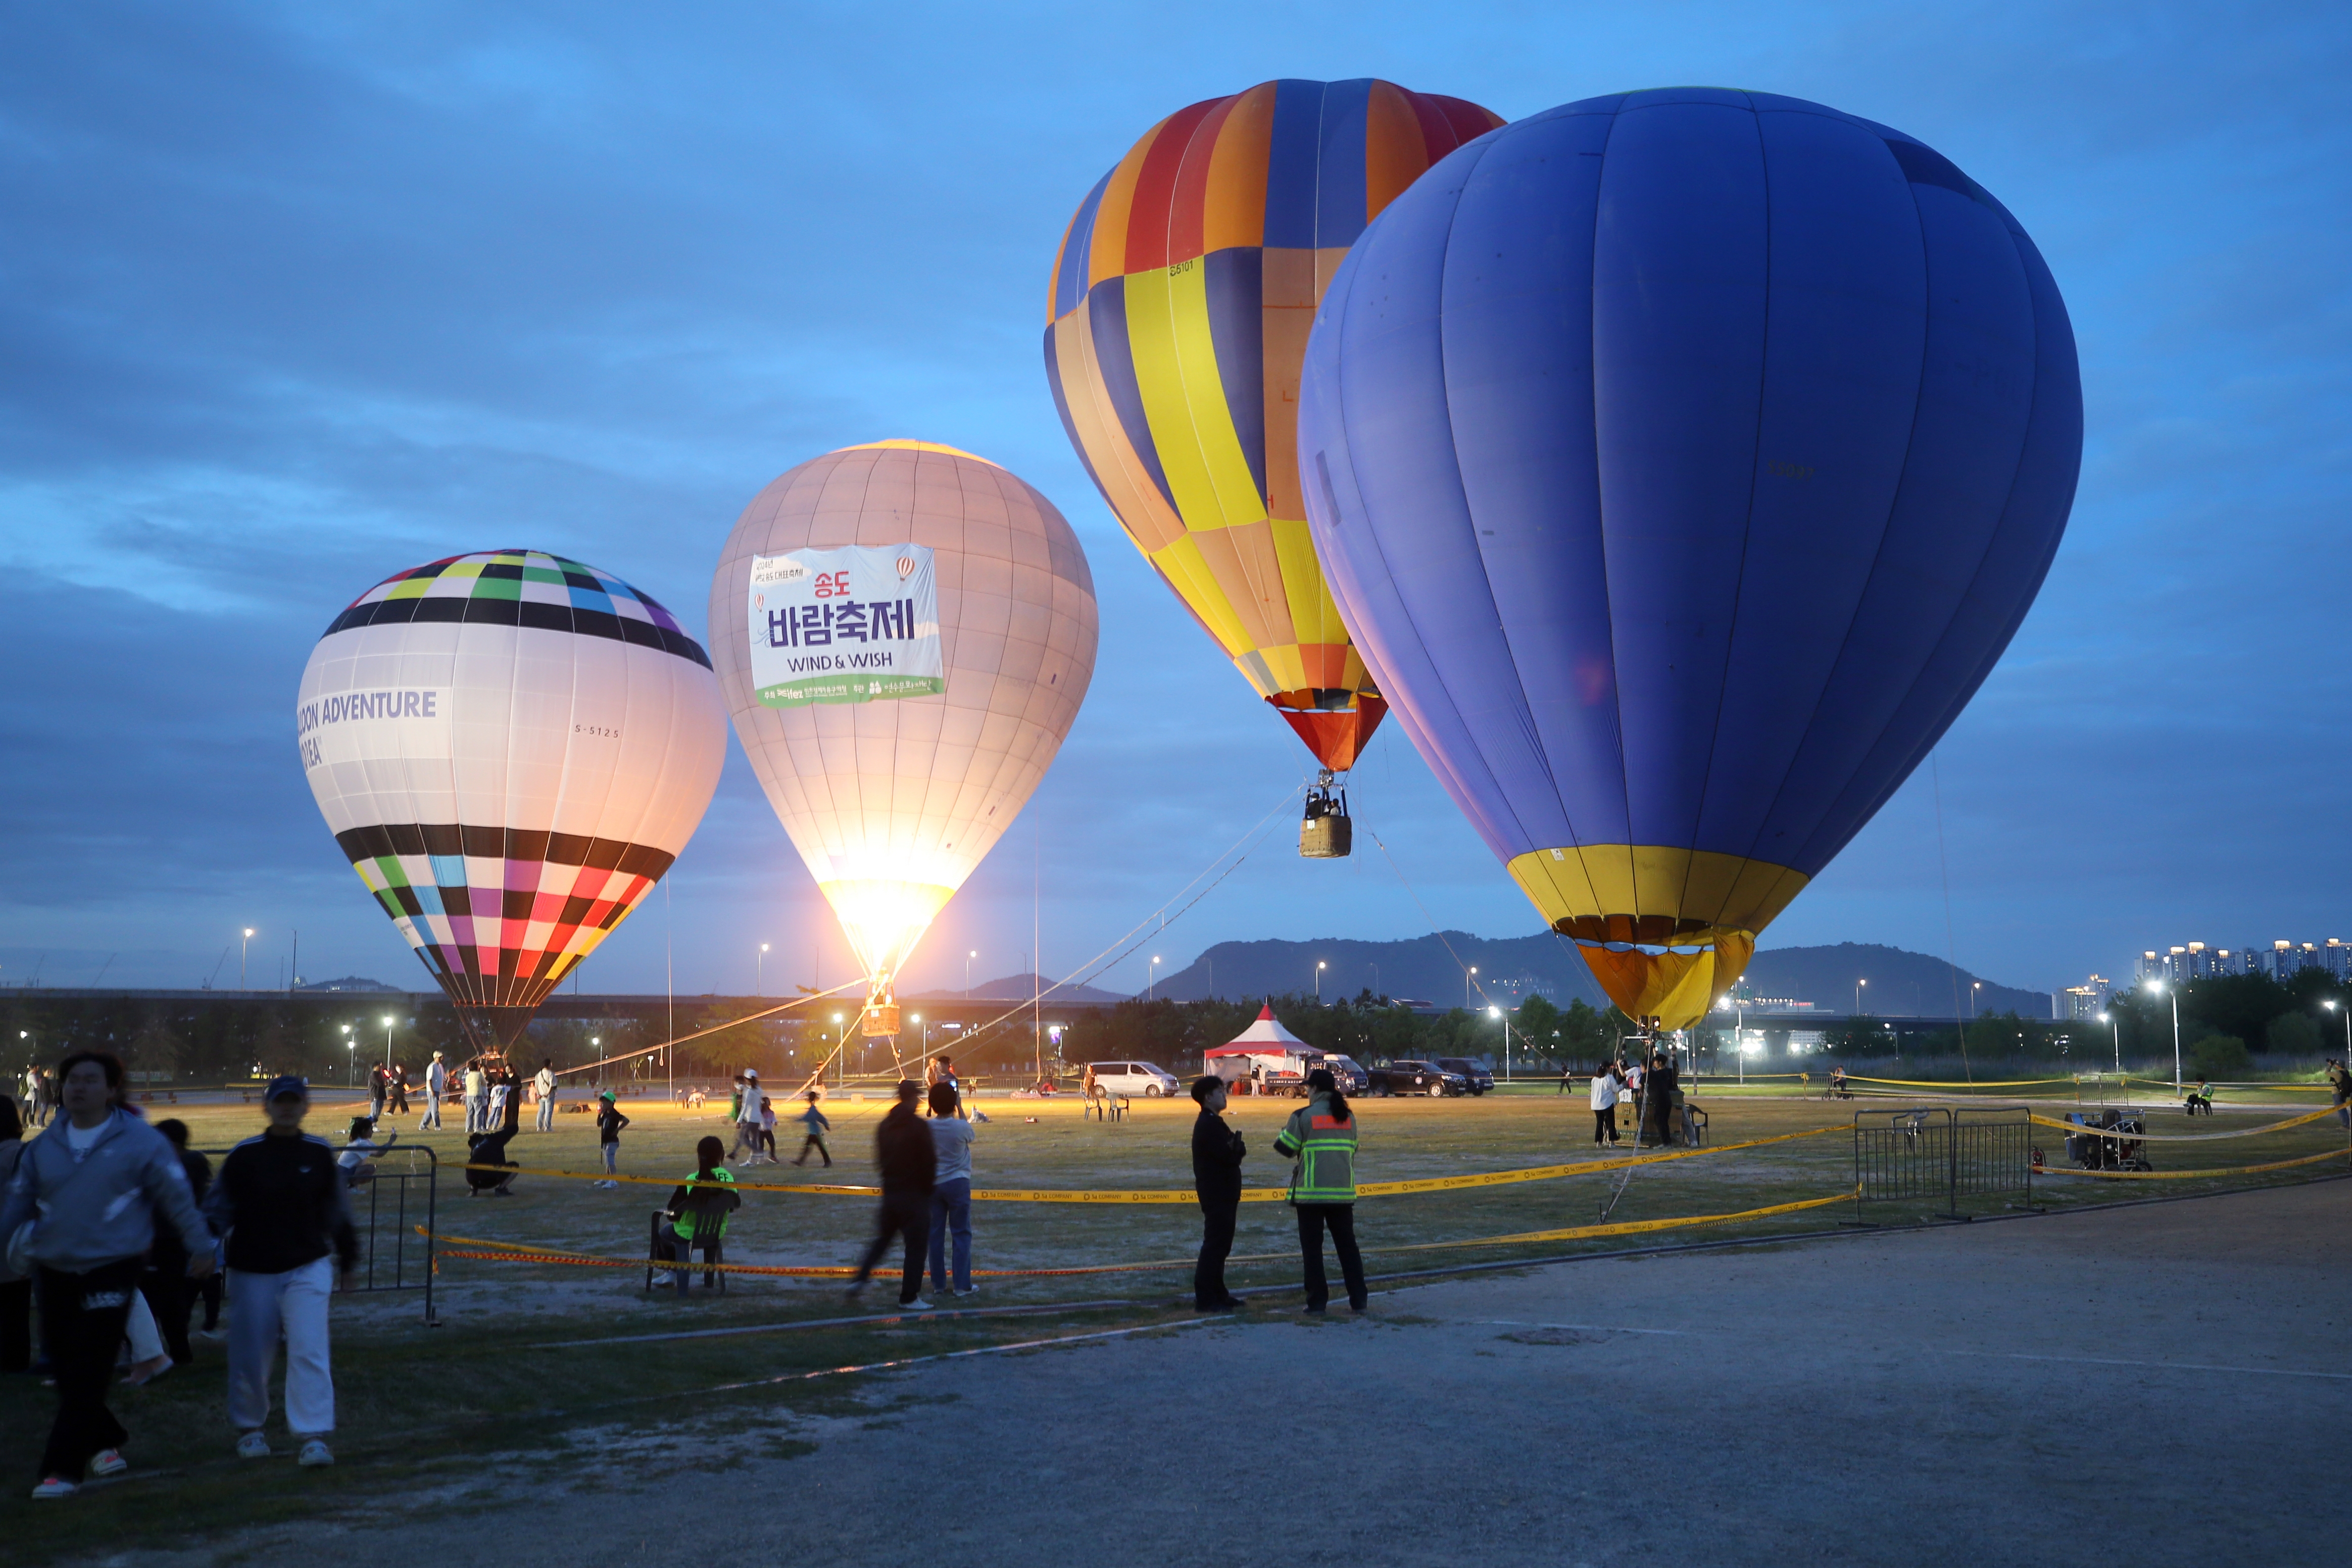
(1497, 1014)
(1466, 982)
(388, 1042)
(2159, 986)
(840, 1039)
(1376, 982)
(242, 943)
(2115, 1024)
(967, 976)
(759, 972)
(1319, 967)
(1857, 997)
(1151, 981)
(352, 1060)
(2332, 1007)
(1974, 999)
(349, 1048)
(918, 1018)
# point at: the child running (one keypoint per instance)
(814, 1125)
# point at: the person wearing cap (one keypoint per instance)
(290, 1241)
(747, 1119)
(436, 1084)
(609, 1122)
(95, 1182)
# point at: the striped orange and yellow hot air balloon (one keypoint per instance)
(1181, 301)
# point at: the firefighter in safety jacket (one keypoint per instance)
(1321, 1138)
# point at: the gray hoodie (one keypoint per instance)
(99, 1209)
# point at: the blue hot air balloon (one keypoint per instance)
(1681, 462)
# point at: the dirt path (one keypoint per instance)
(2171, 1379)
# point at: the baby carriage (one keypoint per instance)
(2110, 1152)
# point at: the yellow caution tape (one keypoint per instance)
(2286, 1088)
(2077, 1130)
(2193, 1175)
(1919, 1083)
(1188, 1195)
(514, 1252)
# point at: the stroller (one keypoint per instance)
(2109, 1153)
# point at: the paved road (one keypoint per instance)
(2145, 1385)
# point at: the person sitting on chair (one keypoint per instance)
(1837, 1084)
(2200, 1098)
(698, 1207)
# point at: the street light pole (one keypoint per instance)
(1496, 1013)
(2116, 1025)
(759, 972)
(242, 943)
(967, 976)
(1857, 997)
(1151, 981)
(388, 1042)
(1466, 981)
(1974, 986)
(1318, 982)
(2174, 992)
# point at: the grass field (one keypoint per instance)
(506, 1383)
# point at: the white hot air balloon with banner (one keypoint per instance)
(904, 632)
(510, 748)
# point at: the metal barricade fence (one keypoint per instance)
(1941, 1153)
(395, 1213)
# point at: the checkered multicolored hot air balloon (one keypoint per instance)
(1682, 462)
(510, 748)
(1178, 323)
(904, 632)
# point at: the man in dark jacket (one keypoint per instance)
(171, 1294)
(902, 1147)
(1217, 1153)
(290, 1243)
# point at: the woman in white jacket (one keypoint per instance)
(1607, 1089)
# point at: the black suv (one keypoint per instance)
(1417, 1078)
(1478, 1079)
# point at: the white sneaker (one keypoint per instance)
(108, 1462)
(916, 1305)
(253, 1445)
(314, 1454)
(54, 1487)
(975, 1291)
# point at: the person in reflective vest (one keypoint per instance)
(1321, 1138)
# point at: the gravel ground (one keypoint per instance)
(2153, 1384)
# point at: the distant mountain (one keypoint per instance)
(1424, 968)
(348, 982)
(1901, 984)
(1017, 988)
(1430, 969)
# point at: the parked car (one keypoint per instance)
(1416, 1077)
(1477, 1077)
(1350, 1078)
(1149, 1080)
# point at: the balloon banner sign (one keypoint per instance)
(860, 623)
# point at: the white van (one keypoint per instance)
(1146, 1079)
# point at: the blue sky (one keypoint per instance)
(296, 297)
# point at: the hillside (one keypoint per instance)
(1901, 983)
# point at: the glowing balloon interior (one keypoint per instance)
(1682, 462)
(904, 632)
(510, 748)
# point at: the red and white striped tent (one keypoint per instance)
(1264, 1041)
